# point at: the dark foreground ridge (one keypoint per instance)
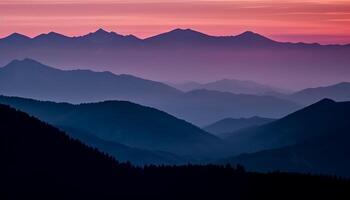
(40, 162)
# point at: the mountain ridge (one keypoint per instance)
(31, 79)
(189, 55)
(178, 32)
(126, 123)
(39, 160)
(48, 83)
(223, 127)
(235, 86)
(314, 139)
(338, 92)
(312, 121)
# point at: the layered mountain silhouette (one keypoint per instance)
(103, 37)
(39, 161)
(186, 37)
(205, 106)
(224, 127)
(231, 85)
(315, 139)
(126, 123)
(31, 79)
(337, 92)
(123, 153)
(15, 38)
(323, 155)
(179, 37)
(183, 37)
(313, 121)
(100, 37)
(182, 54)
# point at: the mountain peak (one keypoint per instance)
(179, 35)
(29, 60)
(51, 36)
(23, 61)
(26, 63)
(186, 32)
(183, 30)
(101, 31)
(102, 35)
(252, 37)
(341, 84)
(326, 101)
(16, 37)
(249, 33)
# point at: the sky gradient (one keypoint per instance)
(323, 21)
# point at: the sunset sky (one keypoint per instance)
(323, 21)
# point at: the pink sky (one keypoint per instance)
(323, 21)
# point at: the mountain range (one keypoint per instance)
(40, 161)
(300, 126)
(185, 54)
(229, 125)
(124, 153)
(312, 140)
(233, 86)
(337, 92)
(125, 123)
(31, 79)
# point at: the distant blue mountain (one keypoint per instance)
(314, 140)
(173, 37)
(125, 153)
(126, 123)
(300, 126)
(31, 79)
(233, 86)
(185, 37)
(337, 92)
(185, 54)
(223, 128)
(179, 37)
(40, 161)
(205, 106)
(111, 38)
(16, 39)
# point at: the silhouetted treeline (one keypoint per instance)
(40, 162)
